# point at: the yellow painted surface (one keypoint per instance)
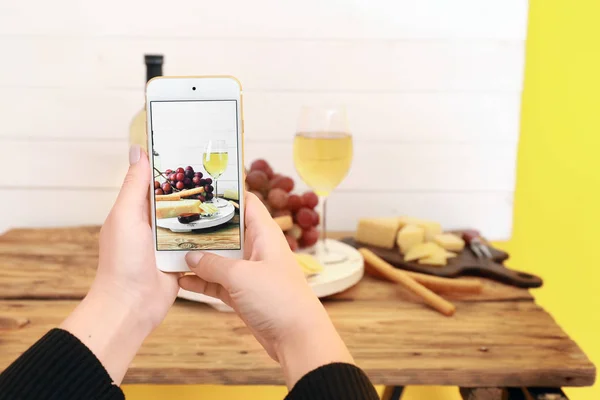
(557, 203)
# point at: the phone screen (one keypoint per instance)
(196, 173)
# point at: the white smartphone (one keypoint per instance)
(195, 146)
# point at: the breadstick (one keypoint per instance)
(233, 203)
(438, 284)
(398, 276)
(167, 197)
(285, 222)
(190, 192)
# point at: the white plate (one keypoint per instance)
(335, 278)
(222, 216)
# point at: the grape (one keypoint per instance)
(180, 185)
(262, 165)
(304, 218)
(282, 213)
(292, 242)
(189, 168)
(168, 172)
(156, 185)
(284, 182)
(310, 199)
(196, 180)
(158, 191)
(208, 188)
(209, 181)
(316, 218)
(257, 180)
(309, 237)
(189, 173)
(295, 231)
(180, 170)
(259, 195)
(166, 187)
(202, 197)
(209, 196)
(278, 198)
(172, 176)
(187, 182)
(173, 183)
(294, 202)
(202, 182)
(180, 176)
(198, 174)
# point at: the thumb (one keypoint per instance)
(134, 192)
(211, 267)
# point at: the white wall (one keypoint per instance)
(433, 90)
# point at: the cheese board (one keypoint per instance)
(466, 263)
(223, 215)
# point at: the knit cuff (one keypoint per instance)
(334, 381)
(58, 366)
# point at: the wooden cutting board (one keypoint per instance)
(464, 264)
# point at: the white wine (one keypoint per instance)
(322, 159)
(137, 128)
(215, 163)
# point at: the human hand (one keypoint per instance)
(269, 292)
(129, 296)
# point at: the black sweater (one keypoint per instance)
(60, 367)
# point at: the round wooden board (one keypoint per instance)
(335, 278)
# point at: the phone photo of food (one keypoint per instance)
(196, 174)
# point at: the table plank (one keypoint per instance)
(60, 263)
(397, 343)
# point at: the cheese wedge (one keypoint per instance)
(409, 236)
(308, 263)
(422, 250)
(438, 259)
(450, 254)
(449, 241)
(432, 228)
(171, 209)
(231, 194)
(380, 232)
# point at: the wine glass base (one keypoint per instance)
(326, 256)
(219, 203)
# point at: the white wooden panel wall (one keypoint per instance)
(432, 88)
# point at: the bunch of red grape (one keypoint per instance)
(274, 190)
(181, 179)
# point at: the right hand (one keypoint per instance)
(269, 292)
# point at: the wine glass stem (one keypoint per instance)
(323, 201)
(216, 191)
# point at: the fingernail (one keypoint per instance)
(193, 258)
(134, 154)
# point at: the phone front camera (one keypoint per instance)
(194, 88)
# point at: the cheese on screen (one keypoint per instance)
(380, 232)
(432, 228)
(171, 209)
(409, 236)
(449, 241)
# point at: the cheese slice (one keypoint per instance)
(231, 194)
(438, 259)
(171, 209)
(449, 241)
(450, 254)
(309, 264)
(380, 232)
(422, 250)
(409, 236)
(432, 228)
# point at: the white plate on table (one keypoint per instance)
(225, 214)
(335, 278)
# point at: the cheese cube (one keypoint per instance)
(408, 236)
(231, 194)
(437, 259)
(449, 241)
(432, 228)
(171, 209)
(380, 232)
(422, 250)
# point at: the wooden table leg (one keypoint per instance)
(482, 393)
(392, 393)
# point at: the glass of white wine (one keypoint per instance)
(215, 160)
(322, 156)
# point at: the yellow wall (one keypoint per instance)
(557, 204)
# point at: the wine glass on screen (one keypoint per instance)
(215, 160)
(322, 156)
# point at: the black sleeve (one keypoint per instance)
(332, 382)
(58, 366)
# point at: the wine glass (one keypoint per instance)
(322, 156)
(215, 160)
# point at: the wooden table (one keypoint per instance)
(227, 236)
(497, 339)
